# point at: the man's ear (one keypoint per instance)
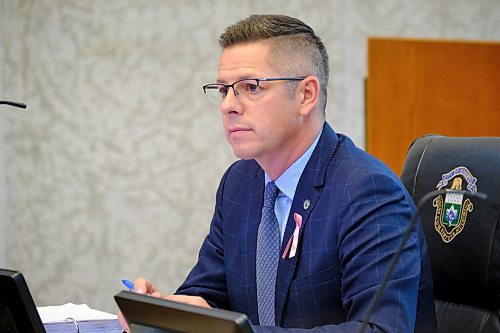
(309, 94)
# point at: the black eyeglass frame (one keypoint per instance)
(264, 79)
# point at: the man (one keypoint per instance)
(305, 224)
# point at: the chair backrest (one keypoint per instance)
(463, 232)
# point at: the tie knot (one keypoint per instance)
(270, 194)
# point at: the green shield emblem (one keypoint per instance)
(452, 209)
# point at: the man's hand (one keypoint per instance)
(193, 300)
(141, 286)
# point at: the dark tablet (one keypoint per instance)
(18, 313)
(167, 316)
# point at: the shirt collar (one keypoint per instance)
(288, 181)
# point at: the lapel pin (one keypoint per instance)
(307, 203)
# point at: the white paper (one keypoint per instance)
(79, 312)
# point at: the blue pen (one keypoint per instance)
(128, 284)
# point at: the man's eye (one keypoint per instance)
(223, 91)
(252, 87)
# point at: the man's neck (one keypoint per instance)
(277, 165)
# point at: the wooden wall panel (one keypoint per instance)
(418, 87)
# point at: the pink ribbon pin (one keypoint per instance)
(294, 239)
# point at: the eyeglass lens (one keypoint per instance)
(248, 88)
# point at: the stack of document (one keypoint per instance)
(77, 318)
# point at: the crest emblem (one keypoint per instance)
(451, 212)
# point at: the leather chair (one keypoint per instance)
(463, 233)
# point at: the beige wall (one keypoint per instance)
(111, 172)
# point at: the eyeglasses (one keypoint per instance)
(247, 88)
(15, 104)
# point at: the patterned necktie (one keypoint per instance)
(268, 247)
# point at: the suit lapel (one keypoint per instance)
(308, 188)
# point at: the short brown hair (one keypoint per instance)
(289, 38)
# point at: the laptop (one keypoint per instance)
(18, 313)
(150, 314)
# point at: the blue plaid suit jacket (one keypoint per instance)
(357, 214)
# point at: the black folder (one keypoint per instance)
(150, 314)
(18, 313)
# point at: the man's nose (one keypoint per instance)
(230, 103)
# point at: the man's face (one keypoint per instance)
(265, 129)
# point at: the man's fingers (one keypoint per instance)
(193, 300)
(143, 286)
(156, 294)
(123, 322)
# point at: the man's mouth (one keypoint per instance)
(238, 129)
